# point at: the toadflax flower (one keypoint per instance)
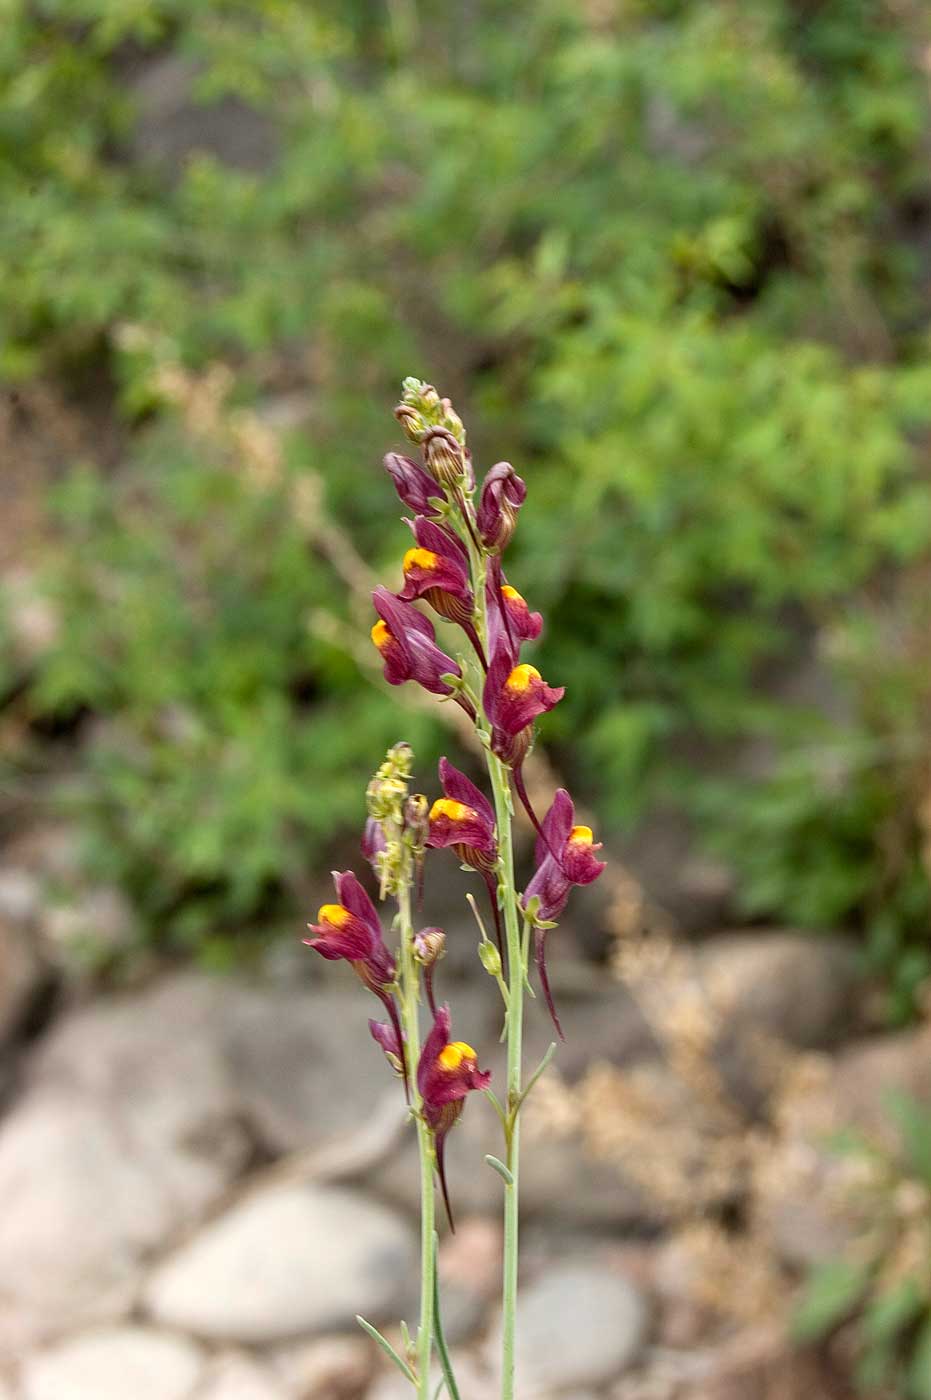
(565, 856)
(351, 931)
(447, 1072)
(514, 695)
(406, 641)
(509, 612)
(437, 570)
(464, 820)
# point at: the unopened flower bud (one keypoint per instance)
(401, 757)
(490, 958)
(451, 420)
(429, 946)
(417, 820)
(385, 796)
(373, 843)
(411, 422)
(503, 494)
(443, 456)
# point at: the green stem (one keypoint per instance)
(409, 998)
(501, 789)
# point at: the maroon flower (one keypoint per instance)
(514, 695)
(351, 931)
(509, 613)
(406, 641)
(447, 1072)
(503, 494)
(437, 569)
(565, 856)
(464, 820)
(415, 486)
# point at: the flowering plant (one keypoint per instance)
(455, 569)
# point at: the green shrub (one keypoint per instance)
(667, 258)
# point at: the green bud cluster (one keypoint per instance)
(421, 409)
(402, 817)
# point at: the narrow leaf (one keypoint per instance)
(500, 1168)
(439, 1335)
(830, 1294)
(543, 1065)
(890, 1313)
(387, 1348)
(496, 1105)
(918, 1385)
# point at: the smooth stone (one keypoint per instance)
(78, 1211)
(330, 1368)
(234, 1376)
(114, 1364)
(286, 1261)
(578, 1326)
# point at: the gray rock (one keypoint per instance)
(805, 1202)
(114, 1364)
(475, 1381)
(283, 1262)
(173, 124)
(235, 1376)
(769, 990)
(799, 987)
(129, 1129)
(305, 1067)
(578, 1326)
(78, 1211)
(98, 921)
(20, 894)
(330, 1368)
(22, 973)
(154, 1066)
(865, 1072)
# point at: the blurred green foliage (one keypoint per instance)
(670, 259)
(879, 1284)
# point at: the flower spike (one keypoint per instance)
(447, 1072)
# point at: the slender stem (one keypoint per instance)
(501, 788)
(409, 995)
